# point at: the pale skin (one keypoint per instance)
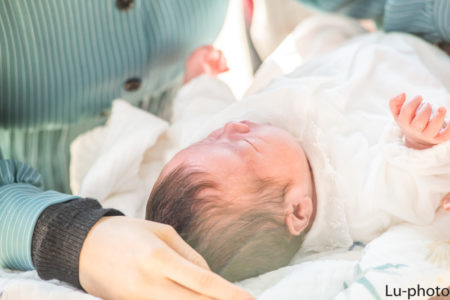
(205, 60)
(239, 151)
(147, 260)
(150, 261)
(125, 258)
(422, 129)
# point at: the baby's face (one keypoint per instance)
(239, 151)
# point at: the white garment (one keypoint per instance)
(337, 107)
(366, 179)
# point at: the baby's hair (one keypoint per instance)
(237, 240)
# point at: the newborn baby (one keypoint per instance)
(333, 167)
(245, 196)
(244, 191)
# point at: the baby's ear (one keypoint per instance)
(299, 214)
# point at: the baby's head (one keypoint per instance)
(243, 198)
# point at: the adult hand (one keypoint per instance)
(125, 258)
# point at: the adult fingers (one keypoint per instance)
(408, 110)
(422, 117)
(201, 281)
(396, 103)
(174, 241)
(168, 289)
(435, 124)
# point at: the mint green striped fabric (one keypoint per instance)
(21, 202)
(61, 65)
(426, 18)
(355, 8)
(429, 19)
(21, 206)
(63, 62)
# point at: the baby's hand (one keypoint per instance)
(421, 129)
(205, 60)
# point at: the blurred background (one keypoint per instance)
(252, 30)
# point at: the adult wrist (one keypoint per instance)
(59, 235)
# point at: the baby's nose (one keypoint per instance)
(235, 127)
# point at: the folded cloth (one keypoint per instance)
(118, 163)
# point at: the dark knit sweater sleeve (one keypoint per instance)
(59, 235)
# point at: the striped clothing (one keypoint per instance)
(429, 19)
(21, 202)
(61, 65)
(63, 62)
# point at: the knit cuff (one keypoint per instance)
(59, 235)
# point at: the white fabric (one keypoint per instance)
(315, 36)
(272, 21)
(117, 153)
(27, 286)
(404, 257)
(337, 106)
(366, 179)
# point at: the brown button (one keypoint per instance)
(124, 4)
(132, 84)
(105, 113)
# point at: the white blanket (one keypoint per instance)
(117, 164)
(404, 257)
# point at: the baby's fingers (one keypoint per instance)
(396, 103)
(435, 125)
(217, 62)
(408, 111)
(444, 135)
(422, 117)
